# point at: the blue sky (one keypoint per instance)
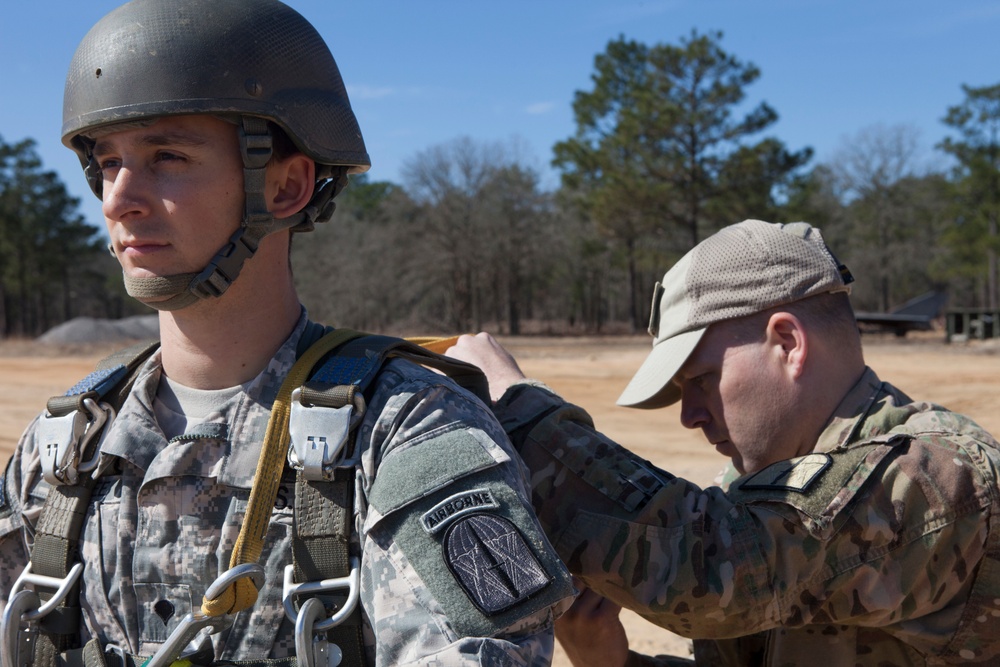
(422, 73)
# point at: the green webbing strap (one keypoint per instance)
(57, 533)
(324, 515)
(324, 510)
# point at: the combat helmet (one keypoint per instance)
(247, 61)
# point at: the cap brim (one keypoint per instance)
(651, 386)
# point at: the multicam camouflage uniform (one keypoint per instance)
(163, 524)
(881, 547)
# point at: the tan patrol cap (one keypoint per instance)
(738, 271)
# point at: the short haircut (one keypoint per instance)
(830, 314)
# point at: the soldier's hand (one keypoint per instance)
(497, 363)
(591, 633)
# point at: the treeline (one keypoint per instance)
(666, 151)
(53, 264)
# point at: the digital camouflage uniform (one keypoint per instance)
(164, 519)
(879, 548)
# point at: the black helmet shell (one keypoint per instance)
(152, 58)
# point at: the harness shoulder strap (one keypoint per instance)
(68, 441)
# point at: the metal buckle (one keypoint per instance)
(62, 439)
(16, 648)
(351, 582)
(25, 608)
(116, 650)
(61, 587)
(187, 636)
(318, 434)
(313, 651)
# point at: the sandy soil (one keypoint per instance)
(592, 372)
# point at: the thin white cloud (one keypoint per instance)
(540, 107)
(369, 92)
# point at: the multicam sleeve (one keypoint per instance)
(707, 563)
(685, 558)
(639, 660)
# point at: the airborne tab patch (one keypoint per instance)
(455, 506)
(492, 562)
(792, 475)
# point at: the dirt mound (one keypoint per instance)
(94, 330)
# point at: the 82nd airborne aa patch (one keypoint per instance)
(492, 562)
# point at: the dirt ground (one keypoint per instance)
(592, 372)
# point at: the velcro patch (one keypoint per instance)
(490, 559)
(456, 506)
(793, 475)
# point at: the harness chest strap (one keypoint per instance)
(250, 542)
(324, 499)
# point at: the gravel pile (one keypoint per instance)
(93, 330)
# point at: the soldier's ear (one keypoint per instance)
(789, 342)
(290, 184)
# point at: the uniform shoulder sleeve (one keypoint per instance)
(448, 511)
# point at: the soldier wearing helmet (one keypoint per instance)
(212, 130)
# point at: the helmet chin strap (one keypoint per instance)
(180, 290)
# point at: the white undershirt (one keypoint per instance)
(177, 406)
